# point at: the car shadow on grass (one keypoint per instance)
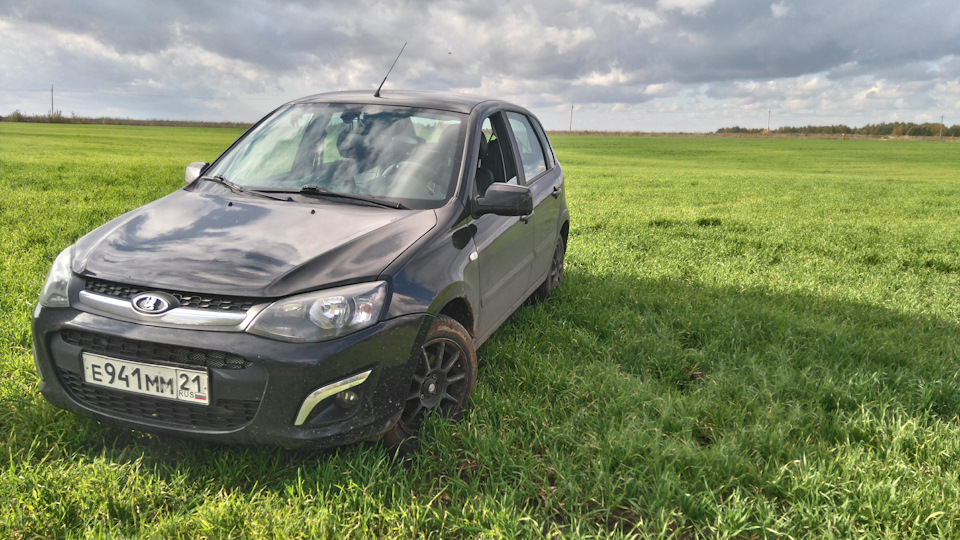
(684, 334)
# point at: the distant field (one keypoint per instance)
(756, 338)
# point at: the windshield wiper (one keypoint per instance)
(316, 191)
(237, 188)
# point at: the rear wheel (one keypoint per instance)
(442, 382)
(555, 275)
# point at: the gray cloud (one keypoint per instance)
(677, 58)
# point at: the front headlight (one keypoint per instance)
(322, 315)
(54, 292)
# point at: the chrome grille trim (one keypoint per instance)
(180, 316)
(189, 300)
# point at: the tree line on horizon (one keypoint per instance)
(58, 118)
(884, 129)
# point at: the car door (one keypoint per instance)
(504, 243)
(544, 178)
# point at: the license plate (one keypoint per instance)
(151, 380)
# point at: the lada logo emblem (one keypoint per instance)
(150, 303)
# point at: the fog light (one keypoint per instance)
(336, 390)
(347, 399)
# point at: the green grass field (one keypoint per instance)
(755, 339)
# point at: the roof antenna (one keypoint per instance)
(377, 93)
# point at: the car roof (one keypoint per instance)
(447, 101)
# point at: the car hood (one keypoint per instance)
(245, 246)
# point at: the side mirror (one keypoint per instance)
(504, 200)
(194, 170)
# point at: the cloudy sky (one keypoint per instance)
(645, 65)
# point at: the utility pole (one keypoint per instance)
(571, 118)
(941, 126)
(51, 101)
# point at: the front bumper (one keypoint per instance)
(258, 386)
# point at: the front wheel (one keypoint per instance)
(442, 382)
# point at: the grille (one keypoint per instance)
(223, 414)
(190, 300)
(153, 353)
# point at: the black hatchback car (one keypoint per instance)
(327, 280)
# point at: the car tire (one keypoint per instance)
(442, 382)
(555, 274)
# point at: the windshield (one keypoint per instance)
(397, 153)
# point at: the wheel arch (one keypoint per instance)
(458, 309)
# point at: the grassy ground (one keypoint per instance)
(755, 339)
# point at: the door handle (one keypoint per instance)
(556, 192)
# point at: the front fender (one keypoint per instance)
(441, 271)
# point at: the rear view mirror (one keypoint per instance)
(504, 200)
(194, 170)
